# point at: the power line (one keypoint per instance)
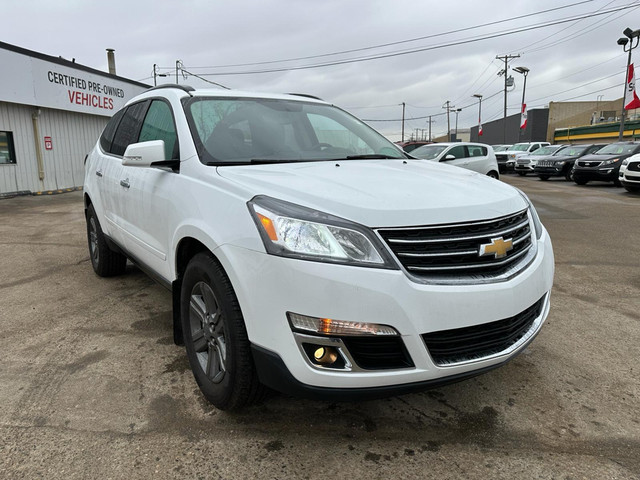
(399, 42)
(427, 48)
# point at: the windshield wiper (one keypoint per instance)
(370, 156)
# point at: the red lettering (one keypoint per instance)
(72, 95)
(90, 100)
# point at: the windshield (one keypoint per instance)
(571, 150)
(257, 130)
(550, 150)
(501, 148)
(519, 147)
(617, 149)
(428, 152)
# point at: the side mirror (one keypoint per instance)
(144, 154)
(449, 157)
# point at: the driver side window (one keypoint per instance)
(458, 151)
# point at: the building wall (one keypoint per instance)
(494, 133)
(574, 114)
(72, 134)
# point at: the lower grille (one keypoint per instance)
(378, 353)
(474, 343)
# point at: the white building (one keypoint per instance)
(51, 113)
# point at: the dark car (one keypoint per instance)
(410, 146)
(563, 160)
(604, 165)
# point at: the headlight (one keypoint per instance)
(512, 156)
(560, 163)
(289, 230)
(609, 162)
(537, 224)
(625, 162)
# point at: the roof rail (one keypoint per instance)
(186, 88)
(306, 95)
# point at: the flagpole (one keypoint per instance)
(630, 34)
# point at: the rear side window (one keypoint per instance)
(477, 151)
(110, 130)
(159, 125)
(129, 128)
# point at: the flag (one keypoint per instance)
(479, 128)
(523, 117)
(630, 91)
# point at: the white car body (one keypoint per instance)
(149, 212)
(508, 157)
(630, 173)
(477, 157)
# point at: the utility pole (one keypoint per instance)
(447, 105)
(403, 105)
(506, 59)
(430, 127)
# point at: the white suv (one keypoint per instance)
(507, 158)
(306, 253)
(472, 156)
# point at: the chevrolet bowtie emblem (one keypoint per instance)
(498, 248)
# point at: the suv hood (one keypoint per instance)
(595, 157)
(381, 193)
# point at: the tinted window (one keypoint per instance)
(457, 151)
(109, 131)
(477, 151)
(7, 152)
(129, 128)
(159, 125)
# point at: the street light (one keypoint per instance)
(631, 35)
(524, 71)
(479, 97)
(457, 110)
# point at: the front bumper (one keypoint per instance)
(602, 174)
(550, 171)
(268, 287)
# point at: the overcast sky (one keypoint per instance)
(566, 61)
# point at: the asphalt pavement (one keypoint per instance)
(92, 386)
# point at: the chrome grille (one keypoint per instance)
(454, 249)
(586, 163)
(634, 167)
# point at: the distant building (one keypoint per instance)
(495, 132)
(52, 111)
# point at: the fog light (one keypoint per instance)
(325, 355)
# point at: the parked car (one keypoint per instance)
(500, 148)
(473, 156)
(630, 173)
(514, 152)
(317, 264)
(526, 163)
(412, 145)
(561, 164)
(604, 165)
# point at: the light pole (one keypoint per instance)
(524, 71)
(479, 97)
(457, 110)
(631, 35)
(449, 108)
(156, 74)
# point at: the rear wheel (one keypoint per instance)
(215, 336)
(493, 174)
(105, 262)
(568, 175)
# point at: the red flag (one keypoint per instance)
(523, 117)
(630, 91)
(479, 128)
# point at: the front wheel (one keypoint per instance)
(215, 336)
(105, 262)
(580, 181)
(522, 174)
(543, 177)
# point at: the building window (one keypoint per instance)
(7, 152)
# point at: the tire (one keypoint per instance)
(522, 174)
(543, 177)
(105, 262)
(580, 181)
(632, 189)
(568, 176)
(617, 183)
(215, 337)
(493, 174)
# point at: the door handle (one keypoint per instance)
(99, 173)
(125, 183)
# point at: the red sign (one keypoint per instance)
(48, 144)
